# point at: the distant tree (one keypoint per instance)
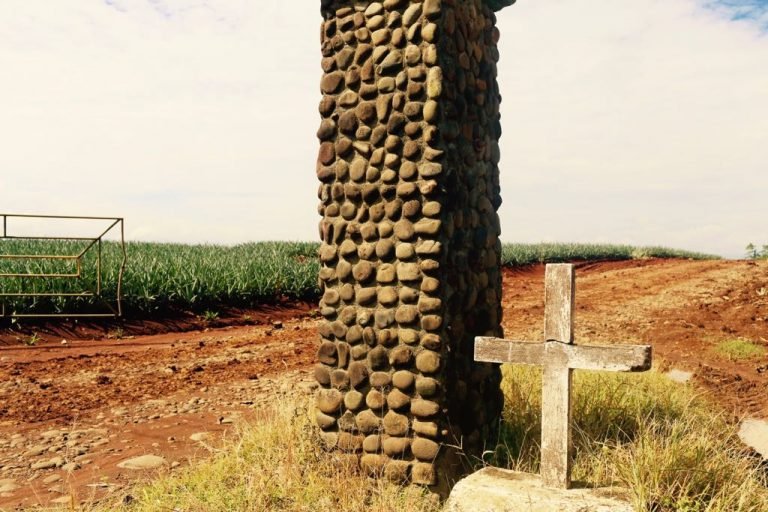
(752, 252)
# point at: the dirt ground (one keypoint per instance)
(86, 397)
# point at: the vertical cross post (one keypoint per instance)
(556, 440)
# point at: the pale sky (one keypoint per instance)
(624, 122)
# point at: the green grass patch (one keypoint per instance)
(642, 432)
(738, 350)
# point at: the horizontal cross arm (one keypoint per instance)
(497, 350)
(616, 358)
(613, 358)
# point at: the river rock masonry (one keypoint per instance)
(409, 188)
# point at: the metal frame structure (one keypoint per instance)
(77, 274)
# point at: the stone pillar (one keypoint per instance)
(410, 252)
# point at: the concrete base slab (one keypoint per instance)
(499, 490)
(754, 433)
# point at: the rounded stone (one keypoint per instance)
(412, 209)
(368, 422)
(408, 295)
(366, 112)
(386, 273)
(324, 421)
(408, 170)
(365, 296)
(350, 442)
(347, 422)
(343, 351)
(387, 337)
(353, 400)
(385, 249)
(375, 399)
(358, 374)
(384, 317)
(327, 153)
(340, 379)
(359, 352)
(431, 109)
(339, 330)
(404, 230)
(428, 361)
(431, 322)
(408, 336)
(430, 285)
(348, 99)
(403, 380)
(348, 315)
(431, 342)
(404, 251)
(332, 82)
(397, 471)
(396, 446)
(363, 271)
(387, 296)
(327, 106)
(423, 474)
(377, 358)
(426, 428)
(408, 271)
(397, 400)
(348, 122)
(400, 356)
(327, 130)
(328, 400)
(406, 314)
(372, 444)
(429, 32)
(406, 189)
(424, 408)
(357, 169)
(373, 464)
(322, 375)
(343, 270)
(425, 449)
(327, 353)
(395, 424)
(380, 379)
(427, 387)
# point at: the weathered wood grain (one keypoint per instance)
(559, 289)
(559, 357)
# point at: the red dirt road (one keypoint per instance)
(93, 403)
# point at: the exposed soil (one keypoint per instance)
(100, 398)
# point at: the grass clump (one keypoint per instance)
(273, 465)
(642, 432)
(738, 350)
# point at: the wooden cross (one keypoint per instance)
(559, 357)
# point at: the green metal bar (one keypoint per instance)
(75, 217)
(41, 275)
(36, 257)
(65, 315)
(35, 294)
